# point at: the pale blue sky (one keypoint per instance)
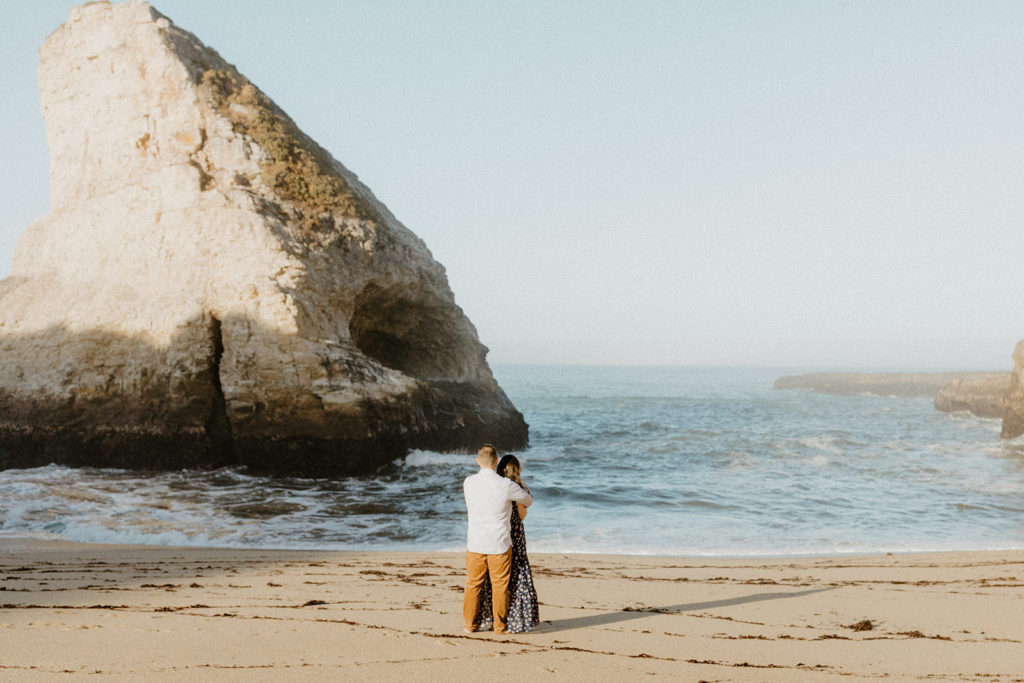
(833, 184)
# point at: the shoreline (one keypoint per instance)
(30, 541)
(175, 613)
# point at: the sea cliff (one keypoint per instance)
(1013, 420)
(211, 287)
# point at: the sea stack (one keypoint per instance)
(1013, 418)
(212, 288)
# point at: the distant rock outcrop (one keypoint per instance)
(212, 288)
(1013, 418)
(901, 384)
(984, 397)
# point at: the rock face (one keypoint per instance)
(901, 384)
(212, 288)
(984, 397)
(1013, 418)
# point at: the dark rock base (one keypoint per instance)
(140, 449)
(196, 434)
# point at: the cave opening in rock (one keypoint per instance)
(402, 331)
(218, 426)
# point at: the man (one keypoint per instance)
(489, 499)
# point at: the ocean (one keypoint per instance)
(634, 460)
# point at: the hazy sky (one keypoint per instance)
(833, 184)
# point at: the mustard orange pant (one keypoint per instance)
(478, 566)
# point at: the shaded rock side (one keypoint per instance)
(896, 384)
(212, 288)
(984, 397)
(1013, 418)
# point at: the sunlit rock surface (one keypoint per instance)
(212, 288)
(982, 396)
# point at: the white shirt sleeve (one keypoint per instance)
(518, 494)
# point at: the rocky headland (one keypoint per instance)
(212, 288)
(901, 384)
(981, 393)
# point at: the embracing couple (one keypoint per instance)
(499, 583)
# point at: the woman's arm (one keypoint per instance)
(522, 510)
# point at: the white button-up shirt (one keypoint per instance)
(489, 498)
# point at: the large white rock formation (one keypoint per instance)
(211, 287)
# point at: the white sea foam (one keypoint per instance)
(826, 444)
(431, 458)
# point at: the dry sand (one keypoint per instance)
(154, 613)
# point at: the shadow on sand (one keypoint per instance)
(627, 615)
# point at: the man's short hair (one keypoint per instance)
(488, 453)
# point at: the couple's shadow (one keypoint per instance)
(628, 615)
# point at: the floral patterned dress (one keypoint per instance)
(523, 612)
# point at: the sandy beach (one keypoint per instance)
(162, 613)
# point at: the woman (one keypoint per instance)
(523, 613)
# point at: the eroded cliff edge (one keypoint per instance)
(212, 288)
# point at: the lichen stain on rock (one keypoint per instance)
(296, 168)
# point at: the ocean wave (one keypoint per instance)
(708, 463)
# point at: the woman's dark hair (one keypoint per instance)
(509, 467)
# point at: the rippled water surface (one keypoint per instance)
(679, 461)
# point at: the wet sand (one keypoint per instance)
(158, 613)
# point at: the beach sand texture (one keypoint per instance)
(162, 613)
